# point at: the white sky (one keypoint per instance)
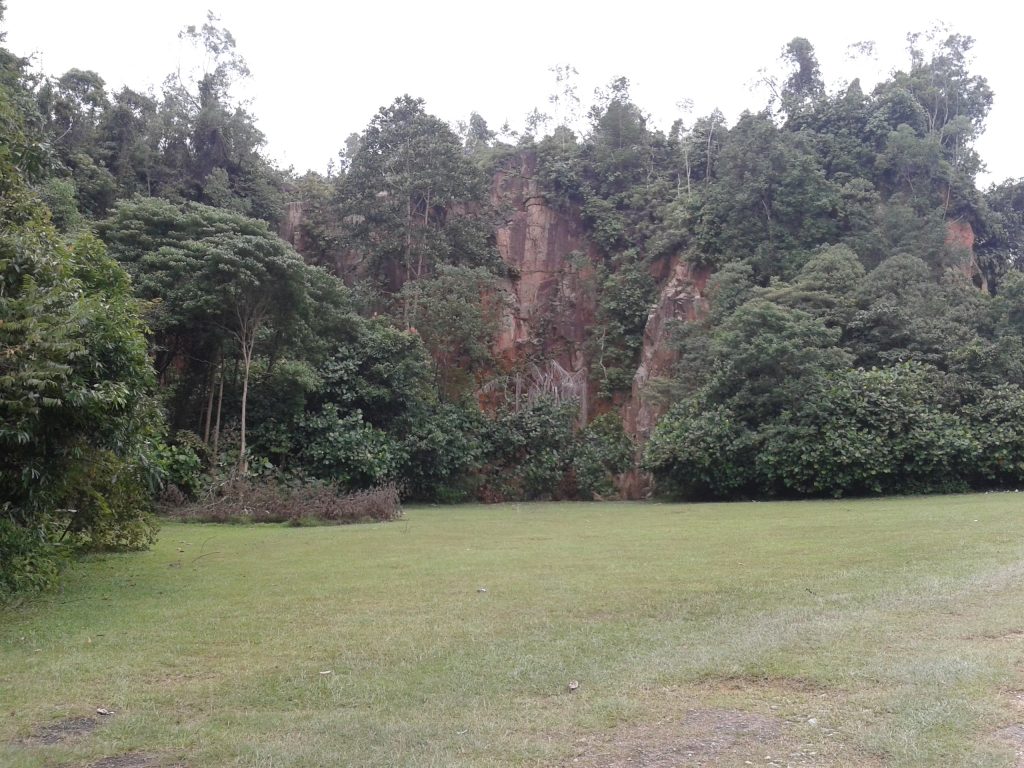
(321, 69)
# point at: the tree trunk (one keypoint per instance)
(209, 406)
(707, 167)
(408, 259)
(220, 402)
(243, 459)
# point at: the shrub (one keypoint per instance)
(31, 562)
(603, 451)
(181, 466)
(529, 451)
(249, 500)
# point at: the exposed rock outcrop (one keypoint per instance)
(551, 286)
(290, 228)
(960, 236)
(683, 297)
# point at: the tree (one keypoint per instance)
(76, 414)
(399, 193)
(804, 85)
(457, 314)
(220, 277)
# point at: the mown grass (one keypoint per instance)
(879, 632)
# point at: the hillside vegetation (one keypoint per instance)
(815, 300)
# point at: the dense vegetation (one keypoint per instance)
(863, 334)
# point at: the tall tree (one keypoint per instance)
(219, 278)
(400, 192)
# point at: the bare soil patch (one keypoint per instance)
(63, 730)
(703, 737)
(730, 722)
(1014, 736)
(130, 760)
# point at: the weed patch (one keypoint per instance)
(255, 501)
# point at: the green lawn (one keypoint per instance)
(850, 633)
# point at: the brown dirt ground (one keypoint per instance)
(63, 730)
(724, 724)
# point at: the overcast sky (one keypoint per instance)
(321, 70)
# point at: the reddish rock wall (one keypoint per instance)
(683, 298)
(552, 300)
(960, 235)
(552, 296)
(290, 228)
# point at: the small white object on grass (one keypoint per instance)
(102, 711)
(481, 589)
(327, 672)
(574, 685)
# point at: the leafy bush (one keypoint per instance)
(878, 431)
(602, 452)
(529, 451)
(997, 423)
(345, 449)
(181, 465)
(31, 561)
(442, 453)
(702, 452)
(107, 505)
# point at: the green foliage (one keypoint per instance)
(456, 313)
(395, 203)
(382, 372)
(624, 302)
(345, 450)
(529, 449)
(877, 431)
(75, 385)
(699, 452)
(602, 452)
(773, 405)
(444, 448)
(31, 560)
(223, 286)
(996, 421)
(765, 356)
(181, 464)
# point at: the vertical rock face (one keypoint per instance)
(683, 297)
(290, 228)
(960, 235)
(552, 297)
(551, 291)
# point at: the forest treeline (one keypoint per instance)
(863, 331)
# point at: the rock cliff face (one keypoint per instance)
(553, 299)
(290, 228)
(683, 298)
(960, 235)
(551, 288)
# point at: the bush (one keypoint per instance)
(886, 430)
(529, 451)
(181, 465)
(603, 451)
(31, 562)
(249, 500)
(700, 451)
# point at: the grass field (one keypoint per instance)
(864, 633)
